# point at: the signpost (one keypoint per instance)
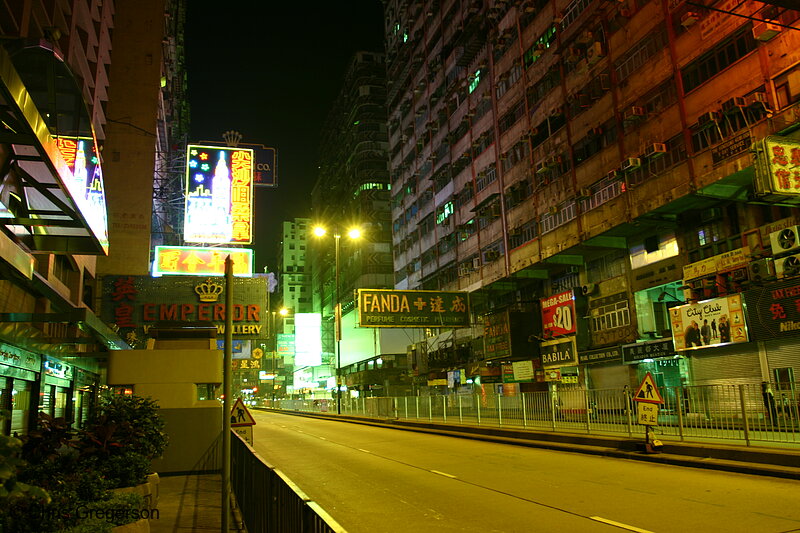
(242, 421)
(648, 398)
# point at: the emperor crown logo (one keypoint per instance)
(209, 290)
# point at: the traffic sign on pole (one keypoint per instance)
(647, 391)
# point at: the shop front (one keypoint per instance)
(20, 372)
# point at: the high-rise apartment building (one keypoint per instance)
(294, 280)
(588, 171)
(353, 191)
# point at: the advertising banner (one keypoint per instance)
(383, 308)
(715, 322)
(558, 315)
(131, 305)
(201, 261)
(559, 353)
(773, 311)
(219, 195)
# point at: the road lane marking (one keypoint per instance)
(618, 524)
(443, 474)
(323, 438)
(363, 450)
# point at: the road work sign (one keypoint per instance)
(647, 414)
(240, 416)
(647, 391)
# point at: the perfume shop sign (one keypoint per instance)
(559, 353)
(133, 304)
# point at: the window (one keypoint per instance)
(206, 391)
(613, 313)
(639, 53)
(718, 58)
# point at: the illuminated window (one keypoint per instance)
(475, 82)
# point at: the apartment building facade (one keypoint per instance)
(589, 171)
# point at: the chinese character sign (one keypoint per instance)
(219, 195)
(780, 161)
(200, 261)
(558, 314)
(85, 183)
(379, 308)
(713, 322)
(774, 311)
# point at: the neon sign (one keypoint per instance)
(85, 182)
(219, 195)
(201, 261)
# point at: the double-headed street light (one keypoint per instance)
(354, 234)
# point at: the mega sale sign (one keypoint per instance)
(558, 314)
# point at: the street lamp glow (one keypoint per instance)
(283, 311)
(354, 233)
(319, 231)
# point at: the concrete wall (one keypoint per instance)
(171, 377)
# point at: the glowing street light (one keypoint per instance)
(353, 233)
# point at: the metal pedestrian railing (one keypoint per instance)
(268, 500)
(749, 412)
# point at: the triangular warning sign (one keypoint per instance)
(240, 416)
(647, 391)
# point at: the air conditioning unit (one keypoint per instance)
(476, 263)
(761, 270)
(585, 192)
(787, 267)
(464, 269)
(733, 105)
(689, 19)
(656, 150)
(706, 119)
(595, 53)
(757, 99)
(612, 175)
(632, 163)
(634, 113)
(589, 288)
(785, 240)
(492, 255)
(553, 210)
(765, 30)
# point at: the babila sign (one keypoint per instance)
(133, 304)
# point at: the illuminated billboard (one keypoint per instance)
(85, 185)
(308, 339)
(201, 261)
(385, 308)
(219, 195)
(714, 322)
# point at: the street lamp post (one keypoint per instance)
(354, 234)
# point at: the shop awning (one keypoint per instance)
(48, 203)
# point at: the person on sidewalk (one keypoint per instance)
(769, 401)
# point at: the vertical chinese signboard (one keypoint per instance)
(715, 322)
(777, 164)
(219, 195)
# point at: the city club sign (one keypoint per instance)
(709, 323)
(133, 304)
(381, 308)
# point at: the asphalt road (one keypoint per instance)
(384, 480)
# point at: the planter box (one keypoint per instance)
(140, 526)
(148, 490)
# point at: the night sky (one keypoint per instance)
(272, 71)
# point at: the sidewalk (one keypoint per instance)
(190, 503)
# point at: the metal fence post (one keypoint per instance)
(745, 423)
(430, 407)
(679, 409)
(552, 410)
(460, 414)
(588, 411)
(444, 408)
(524, 413)
(417, 404)
(405, 404)
(626, 396)
(499, 410)
(478, 405)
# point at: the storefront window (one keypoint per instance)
(20, 406)
(60, 405)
